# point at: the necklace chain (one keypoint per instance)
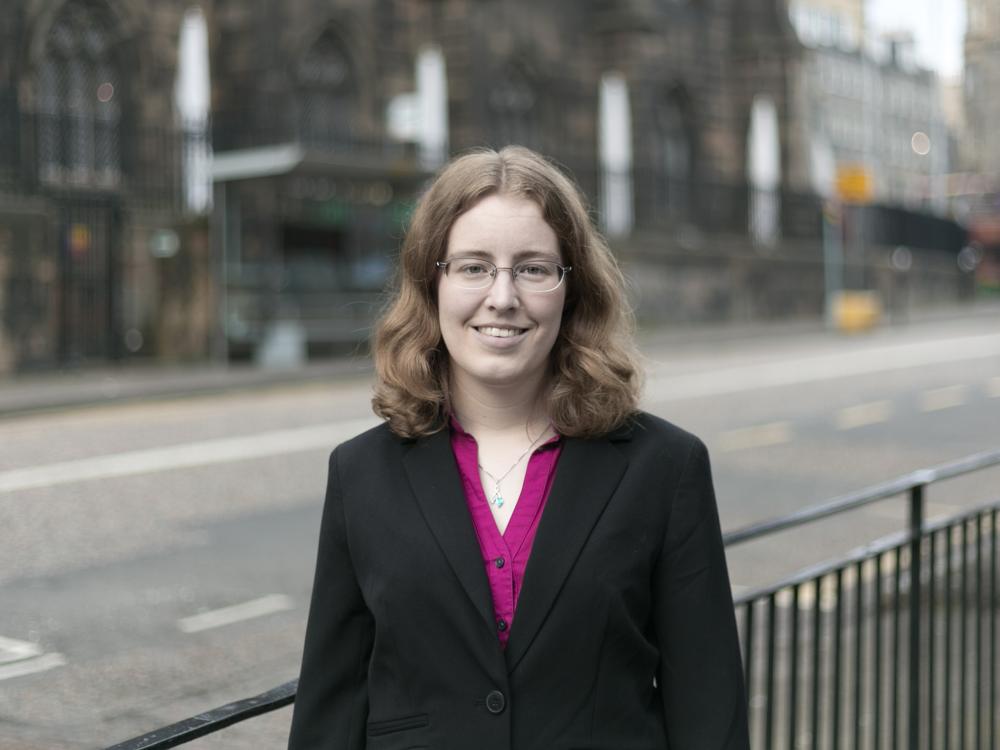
(496, 498)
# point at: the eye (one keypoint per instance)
(536, 270)
(471, 268)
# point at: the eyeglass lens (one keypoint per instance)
(535, 275)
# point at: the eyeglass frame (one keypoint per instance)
(443, 265)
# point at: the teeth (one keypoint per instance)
(500, 332)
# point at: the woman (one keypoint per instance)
(517, 558)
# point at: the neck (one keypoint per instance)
(498, 409)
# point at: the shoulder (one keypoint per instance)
(660, 450)
(647, 432)
(371, 445)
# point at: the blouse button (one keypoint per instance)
(499, 562)
(501, 624)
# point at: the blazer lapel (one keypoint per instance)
(433, 475)
(586, 477)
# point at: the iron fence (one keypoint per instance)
(55, 154)
(893, 646)
(77, 195)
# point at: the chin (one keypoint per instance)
(504, 375)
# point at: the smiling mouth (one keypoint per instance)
(501, 333)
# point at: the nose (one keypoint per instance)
(502, 292)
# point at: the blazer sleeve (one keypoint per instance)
(700, 678)
(331, 705)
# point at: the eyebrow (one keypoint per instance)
(518, 256)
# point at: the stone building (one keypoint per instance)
(869, 131)
(89, 161)
(675, 82)
(980, 149)
(982, 86)
(837, 23)
(865, 104)
(327, 117)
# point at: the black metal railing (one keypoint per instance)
(884, 648)
(212, 721)
(893, 646)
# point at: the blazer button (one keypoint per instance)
(495, 702)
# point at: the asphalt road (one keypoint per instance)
(156, 557)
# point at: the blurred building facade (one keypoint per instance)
(874, 139)
(866, 106)
(647, 104)
(311, 190)
(831, 23)
(678, 119)
(981, 84)
(89, 168)
(980, 150)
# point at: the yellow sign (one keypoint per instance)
(854, 183)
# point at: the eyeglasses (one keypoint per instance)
(530, 276)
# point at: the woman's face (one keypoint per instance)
(500, 335)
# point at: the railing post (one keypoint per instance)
(916, 531)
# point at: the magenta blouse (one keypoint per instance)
(505, 555)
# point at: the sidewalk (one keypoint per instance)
(34, 392)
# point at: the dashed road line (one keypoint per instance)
(217, 618)
(18, 658)
(759, 436)
(31, 666)
(863, 414)
(13, 650)
(943, 398)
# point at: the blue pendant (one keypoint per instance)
(497, 499)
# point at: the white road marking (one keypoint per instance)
(266, 605)
(943, 398)
(30, 666)
(823, 367)
(759, 436)
(863, 414)
(659, 389)
(14, 650)
(993, 388)
(202, 453)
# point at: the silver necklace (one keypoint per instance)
(496, 498)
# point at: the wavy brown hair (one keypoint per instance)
(594, 381)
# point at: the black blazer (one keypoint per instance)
(624, 637)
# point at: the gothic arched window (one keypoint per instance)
(79, 107)
(672, 156)
(327, 98)
(514, 110)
